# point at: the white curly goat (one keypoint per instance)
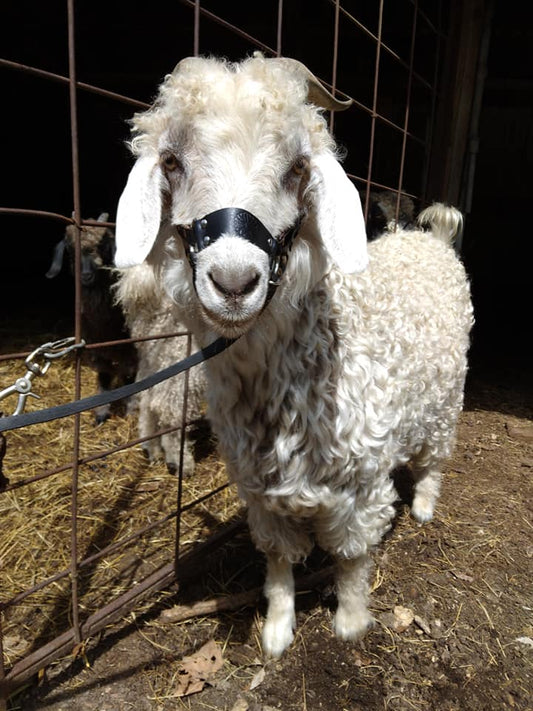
(353, 366)
(149, 312)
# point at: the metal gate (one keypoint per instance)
(387, 56)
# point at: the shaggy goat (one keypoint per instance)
(148, 311)
(354, 365)
(101, 319)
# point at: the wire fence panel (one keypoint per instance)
(88, 526)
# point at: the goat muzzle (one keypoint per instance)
(240, 223)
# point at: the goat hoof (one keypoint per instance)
(277, 636)
(350, 625)
(422, 510)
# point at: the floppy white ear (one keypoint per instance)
(339, 215)
(138, 213)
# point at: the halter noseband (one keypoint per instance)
(236, 221)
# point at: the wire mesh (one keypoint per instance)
(386, 56)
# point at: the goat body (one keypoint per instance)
(357, 363)
(102, 320)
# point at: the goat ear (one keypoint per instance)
(138, 213)
(57, 260)
(339, 215)
(109, 248)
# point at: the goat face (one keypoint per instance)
(97, 250)
(219, 164)
(238, 136)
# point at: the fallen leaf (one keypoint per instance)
(195, 671)
(258, 678)
(403, 617)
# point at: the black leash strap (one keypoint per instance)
(14, 422)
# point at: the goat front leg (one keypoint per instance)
(278, 630)
(352, 618)
(285, 541)
(427, 483)
(427, 479)
(102, 412)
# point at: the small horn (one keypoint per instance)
(182, 63)
(316, 91)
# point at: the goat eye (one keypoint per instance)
(300, 165)
(170, 162)
(294, 177)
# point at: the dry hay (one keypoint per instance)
(452, 598)
(116, 496)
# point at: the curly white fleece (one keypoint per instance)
(342, 377)
(313, 409)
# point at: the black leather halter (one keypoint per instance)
(239, 222)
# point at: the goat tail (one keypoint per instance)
(444, 221)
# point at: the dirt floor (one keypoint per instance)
(452, 601)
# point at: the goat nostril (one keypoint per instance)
(218, 286)
(235, 289)
(250, 286)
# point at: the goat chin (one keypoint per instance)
(354, 367)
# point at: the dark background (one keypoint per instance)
(128, 50)
(498, 243)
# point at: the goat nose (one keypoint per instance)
(87, 278)
(234, 284)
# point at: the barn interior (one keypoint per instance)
(447, 117)
(130, 52)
